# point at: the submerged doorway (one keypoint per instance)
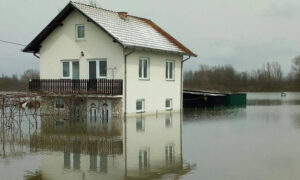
(99, 113)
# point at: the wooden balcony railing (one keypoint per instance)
(81, 86)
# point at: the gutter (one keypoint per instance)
(181, 83)
(36, 55)
(125, 81)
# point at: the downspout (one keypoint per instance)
(125, 82)
(125, 106)
(181, 83)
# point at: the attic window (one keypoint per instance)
(123, 15)
(80, 32)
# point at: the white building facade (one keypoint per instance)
(88, 43)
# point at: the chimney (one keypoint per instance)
(123, 15)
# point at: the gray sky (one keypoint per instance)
(243, 33)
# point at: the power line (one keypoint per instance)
(9, 42)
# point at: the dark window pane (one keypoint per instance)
(167, 70)
(80, 31)
(168, 121)
(102, 68)
(145, 68)
(140, 124)
(171, 70)
(66, 69)
(75, 70)
(139, 105)
(140, 68)
(103, 163)
(59, 104)
(168, 103)
(67, 160)
(92, 69)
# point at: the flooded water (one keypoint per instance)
(261, 141)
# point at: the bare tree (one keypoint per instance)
(296, 68)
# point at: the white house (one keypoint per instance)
(127, 60)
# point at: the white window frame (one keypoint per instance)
(148, 68)
(141, 153)
(170, 149)
(76, 31)
(143, 106)
(70, 68)
(171, 104)
(55, 103)
(142, 120)
(98, 69)
(169, 118)
(168, 70)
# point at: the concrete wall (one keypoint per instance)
(156, 89)
(61, 44)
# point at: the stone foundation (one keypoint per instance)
(77, 108)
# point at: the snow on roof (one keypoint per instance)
(132, 31)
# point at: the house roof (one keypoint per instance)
(132, 32)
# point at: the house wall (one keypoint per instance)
(61, 44)
(156, 89)
(155, 136)
(52, 167)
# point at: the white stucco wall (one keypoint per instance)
(61, 44)
(157, 89)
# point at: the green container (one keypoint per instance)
(236, 99)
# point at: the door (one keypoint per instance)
(92, 83)
(75, 110)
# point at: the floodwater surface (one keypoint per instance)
(259, 142)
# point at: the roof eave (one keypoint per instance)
(159, 50)
(34, 45)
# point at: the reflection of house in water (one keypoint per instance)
(153, 145)
(142, 147)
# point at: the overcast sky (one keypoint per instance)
(243, 33)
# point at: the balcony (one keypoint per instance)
(109, 87)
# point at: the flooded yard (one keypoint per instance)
(261, 141)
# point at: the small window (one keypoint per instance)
(168, 104)
(140, 105)
(170, 156)
(168, 121)
(70, 69)
(59, 104)
(144, 159)
(143, 68)
(170, 70)
(140, 124)
(80, 32)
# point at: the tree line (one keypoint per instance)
(268, 78)
(18, 83)
(225, 78)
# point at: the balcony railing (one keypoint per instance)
(81, 86)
